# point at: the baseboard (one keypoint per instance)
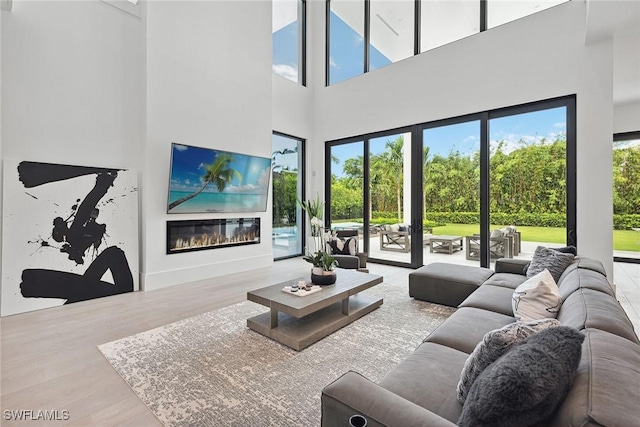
(164, 279)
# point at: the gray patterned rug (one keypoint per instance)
(211, 370)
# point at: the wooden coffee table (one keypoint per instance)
(298, 322)
(446, 244)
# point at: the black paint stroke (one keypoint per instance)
(42, 283)
(84, 231)
(32, 174)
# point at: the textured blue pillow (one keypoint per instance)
(526, 384)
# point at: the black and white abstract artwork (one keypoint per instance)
(70, 233)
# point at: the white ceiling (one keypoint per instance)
(618, 20)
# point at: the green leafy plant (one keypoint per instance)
(322, 259)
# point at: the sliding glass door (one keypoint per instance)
(466, 190)
(626, 197)
(499, 183)
(370, 185)
(528, 180)
(287, 184)
(451, 190)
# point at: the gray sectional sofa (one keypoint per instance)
(421, 390)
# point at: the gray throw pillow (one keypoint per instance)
(493, 345)
(526, 384)
(554, 261)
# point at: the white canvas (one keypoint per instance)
(30, 244)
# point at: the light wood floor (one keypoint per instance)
(50, 359)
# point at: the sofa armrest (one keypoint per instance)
(347, 261)
(512, 265)
(353, 394)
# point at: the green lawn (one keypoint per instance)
(623, 240)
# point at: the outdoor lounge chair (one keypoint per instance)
(397, 237)
(500, 245)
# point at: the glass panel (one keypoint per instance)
(346, 40)
(451, 188)
(392, 32)
(502, 11)
(347, 188)
(390, 197)
(286, 39)
(287, 185)
(528, 182)
(444, 21)
(626, 198)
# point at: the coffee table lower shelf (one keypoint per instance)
(301, 333)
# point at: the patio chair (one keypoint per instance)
(500, 245)
(395, 238)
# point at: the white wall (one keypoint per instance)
(208, 84)
(73, 84)
(538, 57)
(626, 117)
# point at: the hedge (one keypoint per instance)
(431, 219)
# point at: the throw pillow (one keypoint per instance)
(497, 233)
(554, 261)
(567, 250)
(343, 247)
(536, 298)
(493, 345)
(524, 387)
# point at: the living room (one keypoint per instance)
(86, 83)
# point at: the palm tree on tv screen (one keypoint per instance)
(219, 173)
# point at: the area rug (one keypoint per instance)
(211, 370)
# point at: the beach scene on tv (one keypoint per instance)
(206, 180)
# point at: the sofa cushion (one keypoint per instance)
(591, 264)
(506, 280)
(428, 378)
(537, 298)
(492, 298)
(466, 327)
(523, 387)
(444, 283)
(548, 259)
(493, 345)
(588, 308)
(605, 388)
(582, 278)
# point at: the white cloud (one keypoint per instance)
(333, 63)
(286, 71)
(263, 180)
(181, 147)
(560, 125)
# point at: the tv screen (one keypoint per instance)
(204, 180)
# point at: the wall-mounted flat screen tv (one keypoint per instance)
(204, 180)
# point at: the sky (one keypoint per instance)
(188, 166)
(465, 137)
